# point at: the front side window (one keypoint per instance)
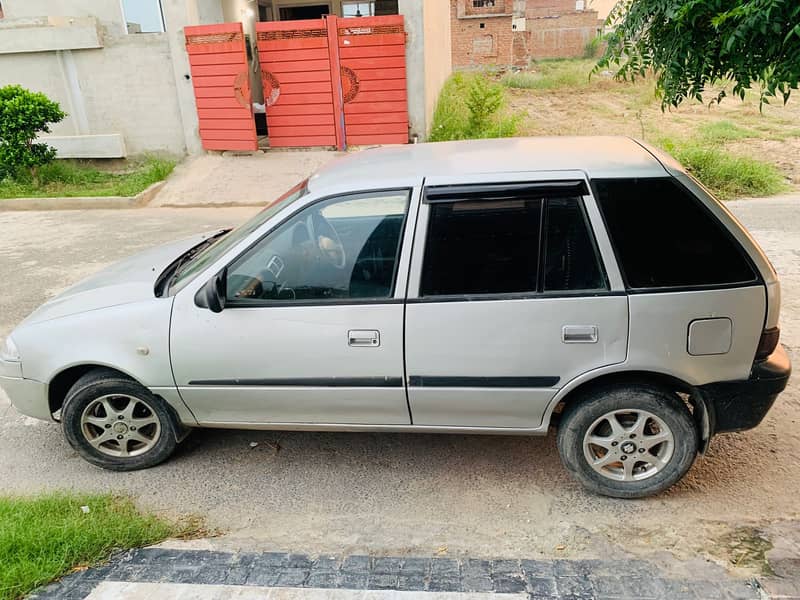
(665, 238)
(198, 262)
(344, 248)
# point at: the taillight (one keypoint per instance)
(768, 343)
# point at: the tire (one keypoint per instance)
(115, 423)
(654, 432)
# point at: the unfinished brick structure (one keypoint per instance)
(481, 32)
(558, 29)
(504, 33)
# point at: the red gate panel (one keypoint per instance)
(301, 89)
(373, 70)
(218, 62)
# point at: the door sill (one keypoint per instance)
(355, 427)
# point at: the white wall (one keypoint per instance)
(108, 12)
(134, 86)
(125, 88)
(129, 87)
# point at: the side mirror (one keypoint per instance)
(214, 293)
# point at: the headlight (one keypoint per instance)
(9, 352)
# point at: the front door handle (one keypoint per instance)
(369, 338)
(579, 334)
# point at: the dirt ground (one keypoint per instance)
(604, 106)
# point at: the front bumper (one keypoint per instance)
(28, 396)
(740, 405)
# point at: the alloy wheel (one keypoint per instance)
(628, 445)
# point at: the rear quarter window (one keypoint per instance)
(664, 237)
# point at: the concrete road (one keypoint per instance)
(480, 495)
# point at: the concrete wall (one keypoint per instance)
(129, 87)
(108, 12)
(428, 61)
(438, 57)
(133, 86)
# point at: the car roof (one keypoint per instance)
(597, 156)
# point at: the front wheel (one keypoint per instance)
(116, 423)
(628, 441)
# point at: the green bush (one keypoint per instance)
(470, 106)
(727, 175)
(23, 115)
(593, 47)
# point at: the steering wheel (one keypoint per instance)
(327, 241)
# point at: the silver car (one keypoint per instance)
(491, 287)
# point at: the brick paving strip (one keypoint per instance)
(151, 573)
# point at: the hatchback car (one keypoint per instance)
(491, 287)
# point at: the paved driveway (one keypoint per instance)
(399, 494)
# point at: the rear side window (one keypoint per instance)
(665, 238)
(509, 246)
(571, 262)
(482, 247)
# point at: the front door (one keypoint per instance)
(509, 302)
(312, 331)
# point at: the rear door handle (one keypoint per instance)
(579, 334)
(369, 338)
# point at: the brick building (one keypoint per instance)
(503, 33)
(483, 33)
(560, 28)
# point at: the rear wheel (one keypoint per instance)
(116, 423)
(628, 441)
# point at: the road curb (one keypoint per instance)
(83, 203)
(203, 574)
(252, 205)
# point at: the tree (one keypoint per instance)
(23, 115)
(689, 44)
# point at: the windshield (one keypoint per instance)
(186, 272)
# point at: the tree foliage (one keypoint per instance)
(689, 44)
(23, 115)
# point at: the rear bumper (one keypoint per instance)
(28, 396)
(740, 405)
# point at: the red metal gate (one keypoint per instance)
(372, 52)
(334, 81)
(218, 62)
(299, 80)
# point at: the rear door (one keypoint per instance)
(509, 299)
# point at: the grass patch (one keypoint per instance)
(553, 75)
(470, 106)
(728, 175)
(718, 132)
(67, 178)
(48, 536)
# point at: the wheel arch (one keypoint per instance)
(63, 380)
(579, 388)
